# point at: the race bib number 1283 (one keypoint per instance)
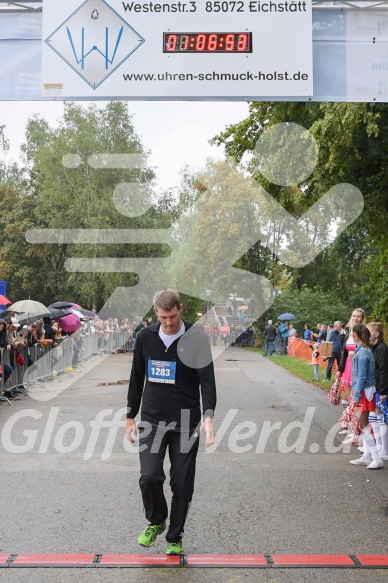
(161, 371)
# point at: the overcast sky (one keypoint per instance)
(176, 133)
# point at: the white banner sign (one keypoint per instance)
(192, 49)
(367, 56)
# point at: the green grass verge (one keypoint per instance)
(297, 367)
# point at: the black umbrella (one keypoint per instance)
(56, 313)
(61, 305)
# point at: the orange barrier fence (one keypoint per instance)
(299, 348)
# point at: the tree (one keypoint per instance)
(310, 306)
(76, 195)
(16, 266)
(352, 140)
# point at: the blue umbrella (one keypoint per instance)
(286, 316)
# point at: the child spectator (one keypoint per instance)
(315, 360)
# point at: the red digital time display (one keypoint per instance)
(207, 42)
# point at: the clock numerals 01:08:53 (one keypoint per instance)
(207, 42)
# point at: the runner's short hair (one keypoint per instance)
(167, 299)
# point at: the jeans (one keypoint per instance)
(285, 344)
(270, 344)
(316, 372)
(7, 368)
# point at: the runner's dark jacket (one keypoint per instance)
(380, 352)
(162, 401)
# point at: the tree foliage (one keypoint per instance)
(310, 305)
(58, 197)
(353, 148)
(45, 194)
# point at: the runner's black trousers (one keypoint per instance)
(182, 449)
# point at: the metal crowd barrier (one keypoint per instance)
(90, 347)
(43, 363)
(119, 341)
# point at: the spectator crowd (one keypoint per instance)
(361, 356)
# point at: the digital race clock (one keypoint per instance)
(207, 42)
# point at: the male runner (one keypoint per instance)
(174, 359)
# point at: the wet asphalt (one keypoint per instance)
(276, 482)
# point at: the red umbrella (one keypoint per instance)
(4, 301)
(69, 323)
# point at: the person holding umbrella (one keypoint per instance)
(284, 328)
(278, 339)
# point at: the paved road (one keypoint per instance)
(267, 486)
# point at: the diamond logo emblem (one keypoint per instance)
(94, 41)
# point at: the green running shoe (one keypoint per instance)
(148, 536)
(175, 548)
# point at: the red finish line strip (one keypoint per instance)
(69, 560)
(312, 560)
(53, 560)
(226, 560)
(373, 560)
(139, 560)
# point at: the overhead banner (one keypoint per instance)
(368, 49)
(196, 48)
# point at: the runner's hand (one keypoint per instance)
(131, 430)
(209, 432)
